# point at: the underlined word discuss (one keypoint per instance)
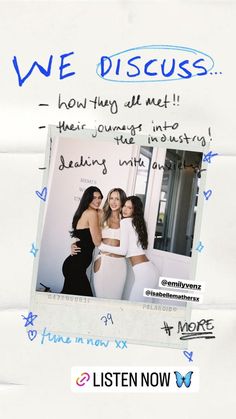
(154, 63)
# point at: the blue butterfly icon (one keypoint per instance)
(180, 379)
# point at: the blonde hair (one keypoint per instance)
(106, 207)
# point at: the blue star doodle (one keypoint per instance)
(207, 157)
(29, 319)
(199, 247)
(33, 250)
(207, 194)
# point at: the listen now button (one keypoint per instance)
(114, 379)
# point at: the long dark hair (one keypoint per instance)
(106, 207)
(85, 200)
(138, 220)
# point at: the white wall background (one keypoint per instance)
(63, 198)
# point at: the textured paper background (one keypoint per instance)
(35, 379)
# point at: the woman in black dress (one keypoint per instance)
(85, 227)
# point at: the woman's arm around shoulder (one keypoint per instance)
(124, 241)
(93, 222)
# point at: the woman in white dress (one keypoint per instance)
(110, 268)
(133, 243)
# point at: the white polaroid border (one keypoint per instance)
(84, 317)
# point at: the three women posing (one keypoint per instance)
(120, 238)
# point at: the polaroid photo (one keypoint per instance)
(117, 218)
